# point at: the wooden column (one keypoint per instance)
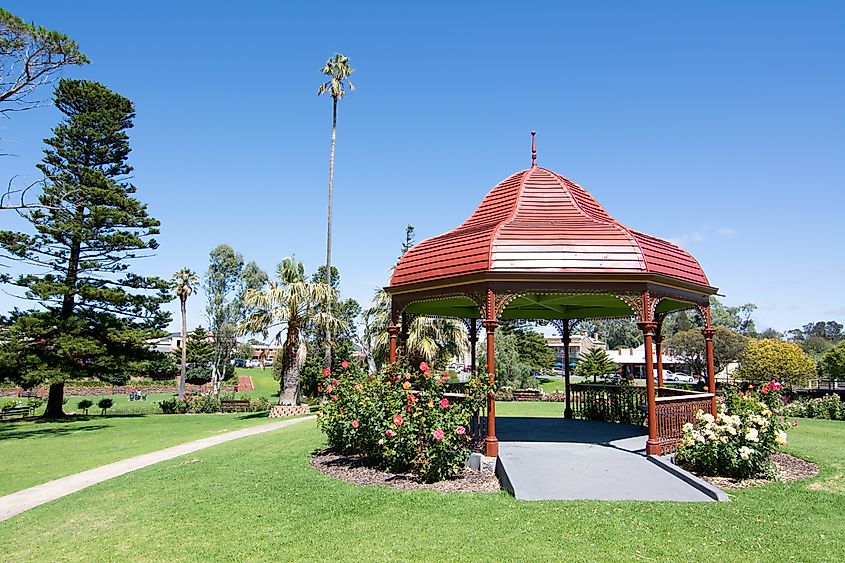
(652, 446)
(658, 350)
(473, 343)
(566, 339)
(491, 443)
(708, 333)
(393, 332)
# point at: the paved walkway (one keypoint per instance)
(245, 383)
(17, 502)
(558, 459)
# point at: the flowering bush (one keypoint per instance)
(827, 407)
(402, 420)
(739, 441)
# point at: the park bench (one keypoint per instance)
(527, 395)
(234, 405)
(14, 411)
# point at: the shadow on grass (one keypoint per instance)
(12, 433)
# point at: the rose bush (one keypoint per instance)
(401, 419)
(739, 441)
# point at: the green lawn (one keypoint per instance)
(264, 383)
(36, 452)
(258, 499)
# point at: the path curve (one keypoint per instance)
(19, 501)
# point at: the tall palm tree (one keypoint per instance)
(290, 305)
(339, 71)
(429, 338)
(183, 283)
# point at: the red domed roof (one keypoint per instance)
(537, 221)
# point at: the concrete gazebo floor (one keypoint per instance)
(559, 459)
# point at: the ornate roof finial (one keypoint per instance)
(533, 150)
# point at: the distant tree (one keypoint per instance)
(244, 351)
(595, 362)
(816, 346)
(828, 330)
(771, 333)
(737, 318)
(832, 364)
(226, 282)
(617, 333)
(511, 371)
(290, 306)
(97, 314)
(183, 283)
(409, 240)
(532, 348)
(198, 347)
(689, 347)
(773, 359)
(680, 321)
(338, 71)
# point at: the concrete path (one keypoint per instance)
(17, 502)
(557, 459)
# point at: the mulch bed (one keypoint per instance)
(788, 467)
(354, 469)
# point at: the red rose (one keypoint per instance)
(424, 366)
(327, 372)
(355, 423)
(444, 403)
(344, 364)
(397, 419)
(329, 388)
(335, 382)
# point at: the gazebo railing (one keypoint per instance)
(628, 405)
(673, 412)
(611, 403)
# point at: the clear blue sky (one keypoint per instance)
(720, 125)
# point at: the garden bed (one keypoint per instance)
(355, 469)
(787, 468)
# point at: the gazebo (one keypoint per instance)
(540, 247)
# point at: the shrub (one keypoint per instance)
(34, 403)
(260, 404)
(400, 420)
(769, 358)
(6, 405)
(827, 407)
(173, 406)
(204, 404)
(739, 441)
(104, 405)
(84, 405)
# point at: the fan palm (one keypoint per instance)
(429, 338)
(183, 283)
(290, 305)
(339, 71)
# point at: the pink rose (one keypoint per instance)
(335, 382)
(329, 388)
(444, 403)
(397, 419)
(355, 423)
(327, 372)
(344, 364)
(390, 433)
(408, 376)
(438, 434)
(461, 430)
(334, 397)
(409, 409)
(424, 366)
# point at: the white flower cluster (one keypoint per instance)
(724, 428)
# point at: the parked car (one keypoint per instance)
(678, 377)
(268, 362)
(253, 363)
(239, 363)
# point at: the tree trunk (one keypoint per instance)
(54, 401)
(289, 389)
(327, 360)
(184, 351)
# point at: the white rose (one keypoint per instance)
(752, 435)
(780, 438)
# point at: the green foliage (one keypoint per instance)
(105, 404)
(533, 350)
(617, 333)
(260, 404)
(30, 56)
(197, 404)
(689, 347)
(594, 363)
(762, 360)
(8, 404)
(737, 319)
(511, 371)
(400, 420)
(740, 440)
(97, 315)
(84, 405)
(827, 407)
(832, 364)
(244, 351)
